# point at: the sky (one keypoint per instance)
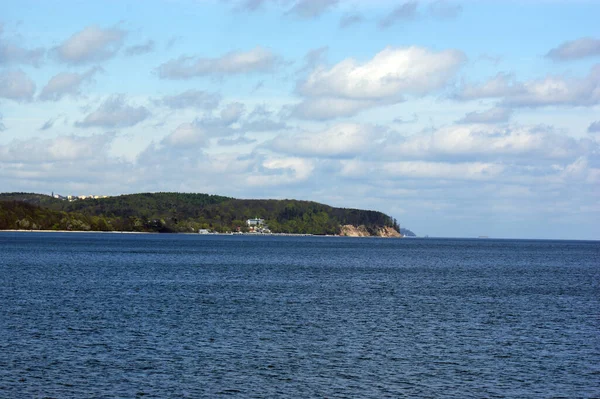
(458, 118)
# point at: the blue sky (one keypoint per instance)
(459, 118)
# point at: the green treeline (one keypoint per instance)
(178, 212)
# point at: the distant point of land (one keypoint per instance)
(189, 213)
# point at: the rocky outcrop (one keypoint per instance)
(352, 231)
(388, 232)
(361, 231)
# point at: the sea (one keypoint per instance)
(93, 315)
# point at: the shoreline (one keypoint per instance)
(79, 231)
(194, 234)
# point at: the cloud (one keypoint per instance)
(551, 90)
(260, 111)
(66, 83)
(12, 54)
(349, 86)
(191, 98)
(66, 148)
(251, 5)
(339, 141)
(325, 108)
(501, 85)
(187, 135)
(477, 142)
(259, 120)
(2, 125)
(16, 85)
(70, 163)
(557, 90)
(262, 125)
(92, 44)
(403, 12)
(392, 72)
(140, 49)
(114, 112)
(197, 134)
(413, 119)
(232, 112)
(172, 42)
(305, 9)
(181, 152)
(311, 8)
(493, 115)
(314, 57)
(594, 127)
(48, 124)
(575, 49)
(350, 19)
(241, 140)
(193, 170)
(277, 170)
(444, 9)
(469, 171)
(232, 119)
(257, 60)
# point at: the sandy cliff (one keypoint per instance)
(361, 231)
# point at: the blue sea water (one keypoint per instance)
(185, 316)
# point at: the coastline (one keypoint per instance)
(79, 231)
(194, 234)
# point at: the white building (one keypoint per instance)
(255, 222)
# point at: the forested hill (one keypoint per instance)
(178, 212)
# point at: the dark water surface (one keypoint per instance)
(168, 316)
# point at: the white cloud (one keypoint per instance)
(92, 44)
(241, 140)
(575, 49)
(275, 171)
(16, 85)
(325, 108)
(501, 85)
(72, 164)
(139, 49)
(232, 112)
(11, 54)
(186, 135)
(114, 112)
(403, 12)
(191, 98)
(314, 57)
(594, 127)
(444, 9)
(48, 124)
(492, 115)
(350, 19)
(59, 149)
(392, 72)
(232, 119)
(258, 59)
(476, 142)
(66, 83)
(251, 5)
(551, 90)
(312, 8)
(341, 140)
(478, 171)
(390, 75)
(304, 9)
(262, 125)
(559, 91)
